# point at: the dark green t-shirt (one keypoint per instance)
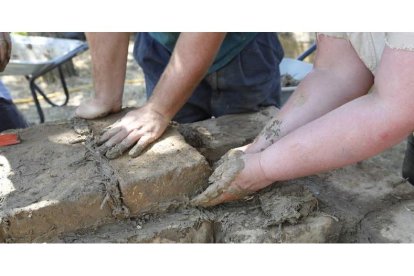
(232, 45)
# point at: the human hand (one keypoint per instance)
(238, 175)
(95, 108)
(5, 49)
(140, 127)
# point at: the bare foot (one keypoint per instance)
(94, 108)
(237, 176)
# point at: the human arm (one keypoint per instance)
(338, 76)
(189, 62)
(352, 132)
(5, 49)
(109, 58)
(355, 131)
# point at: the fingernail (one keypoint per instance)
(103, 149)
(116, 151)
(136, 151)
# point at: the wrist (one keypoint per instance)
(158, 107)
(258, 145)
(154, 108)
(254, 168)
(261, 169)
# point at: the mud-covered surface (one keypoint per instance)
(365, 202)
(56, 158)
(254, 220)
(393, 224)
(270, 216)
(169, 168)
(352, 193)
(41, 178)
(214, 137)
(182, 225)
(57, 180)
(289, 204)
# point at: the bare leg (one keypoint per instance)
(109, 55)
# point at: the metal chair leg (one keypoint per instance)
(36, 100)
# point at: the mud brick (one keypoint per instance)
(169, 172)
(183, 226)
(391, 225)
(47, 186)
(283, 213)
(316, 229)
(214, 137)
(54, 182)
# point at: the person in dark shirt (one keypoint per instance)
(189, 77)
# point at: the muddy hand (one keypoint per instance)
(5, 50)
(137, 129)
(224, 186)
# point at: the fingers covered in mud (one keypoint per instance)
(116, 141)
(136, 130)
(115, 151)
(107, 134)
(218, 193)
(139, 147)
(118, 149)
(224, 186)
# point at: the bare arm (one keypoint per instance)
(355, 131)
(352, 132)
(193, 55)
(190, 60)
(338, 77)
(109, 58)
